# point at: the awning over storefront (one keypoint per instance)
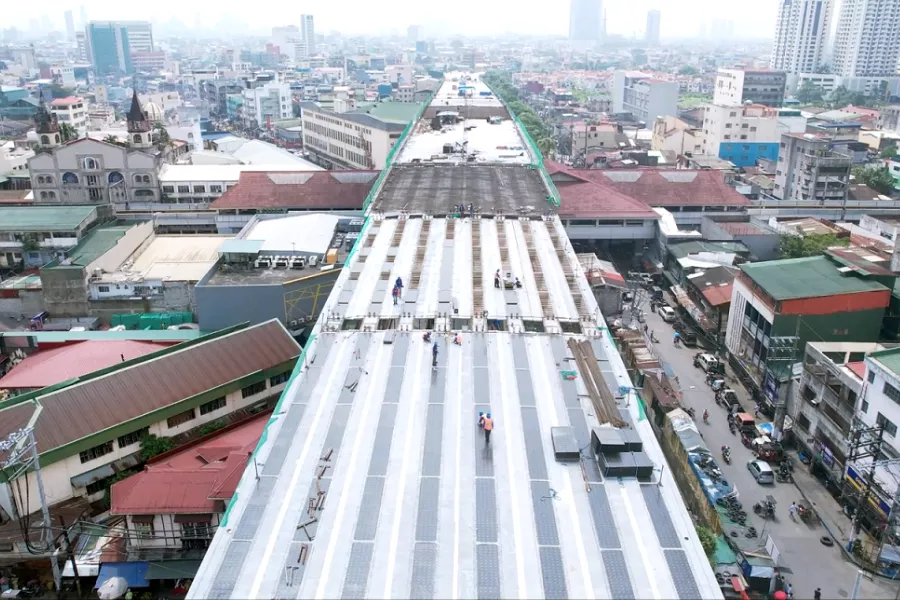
(173, 569)
(134, 573)
(85, 569)
(687, 304)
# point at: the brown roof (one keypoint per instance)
(670, 187)
(581, 198)
(15, 197)
(86, 408)
(312, 190)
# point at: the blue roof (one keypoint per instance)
(241, 246)
(836, 125)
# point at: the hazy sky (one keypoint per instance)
(680, 18)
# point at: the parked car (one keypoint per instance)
(705, 362)
(761, 472)
(667, 314)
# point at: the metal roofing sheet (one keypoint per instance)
(810, 277)
(44, 218)
(84, 409)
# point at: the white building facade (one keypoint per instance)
(801, 32)
(270, 102)
(867, 41)
(643, 96)
(72, 111)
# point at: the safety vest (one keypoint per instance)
(488, 424)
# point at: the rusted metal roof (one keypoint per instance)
(97, 404)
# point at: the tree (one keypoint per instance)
(708, 540)
(889, 151)
(67, 132)
(796, 246)
(877, 178)
(59, 91)
(809, 93)
(547, 146)
(688, 70)
(162, 135)
(30, 243)
(152, 445)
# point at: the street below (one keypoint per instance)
(806, 563)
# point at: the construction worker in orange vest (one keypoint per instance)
(488, 425)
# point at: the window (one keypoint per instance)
(70, 179)
(891, 392)
(168, 189)
(184, 189)
(41, 179)
(102, 288)
(279, 379)
(114, 178)
(45, 140)
(143, 528)
(871, 377)
(199, 189)
(195, 536)
(254, 389)
(889, 428)
(144, 193)
(97, 486)
(90, 164)
(215, 189)
(132, 438)
(212, 406)
(727, 125)
(96, 452)
(865, 406)
(49, 180)
(137, 138)
(180, 418)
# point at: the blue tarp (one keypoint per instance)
(132, 572)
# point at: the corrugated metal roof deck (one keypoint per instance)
(76, 412)
(811, 277)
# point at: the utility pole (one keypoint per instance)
(19, 445)
(864, 443)
(782, 349)
(70, 553)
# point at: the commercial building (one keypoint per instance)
(278, 267)
(651, 33)
(587, 21)
(35, 235)
(645, 97)
(86, 434)
(801, 33)
(308, 35)
(870, 86)
(736, 87)
(867, 40)
(744, 134)
(807, 169)
(283, 192)
(364, 383)
(266, 104)
(358, 139)
(778, 306)
(112, 44)
(71, 110)
(827, 398)
(671, 134)
(180, 497)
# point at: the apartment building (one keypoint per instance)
(672, 134)
(801, 33)
(807, 169)
(644, 96)
(358, 139)
(746, 133)
(266, 103)
(867, 40)
(735, 87)
(71, 110)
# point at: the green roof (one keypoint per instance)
(682, 249)
(96, 243)
(889, 359)
(43, 218)
(811, 277)
(398, 112)
(22, 282)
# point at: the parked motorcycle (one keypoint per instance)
(765, 509)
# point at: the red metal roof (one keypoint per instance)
(858, 368)
(669, 187)
(313, 190)
(581, 198)
(192, 478)
(717, 295)
(67, 101)
(54, 366)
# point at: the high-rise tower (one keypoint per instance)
(801, 31)
(867, 41)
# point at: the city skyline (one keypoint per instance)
(495, 18)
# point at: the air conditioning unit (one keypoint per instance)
(313, 260)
